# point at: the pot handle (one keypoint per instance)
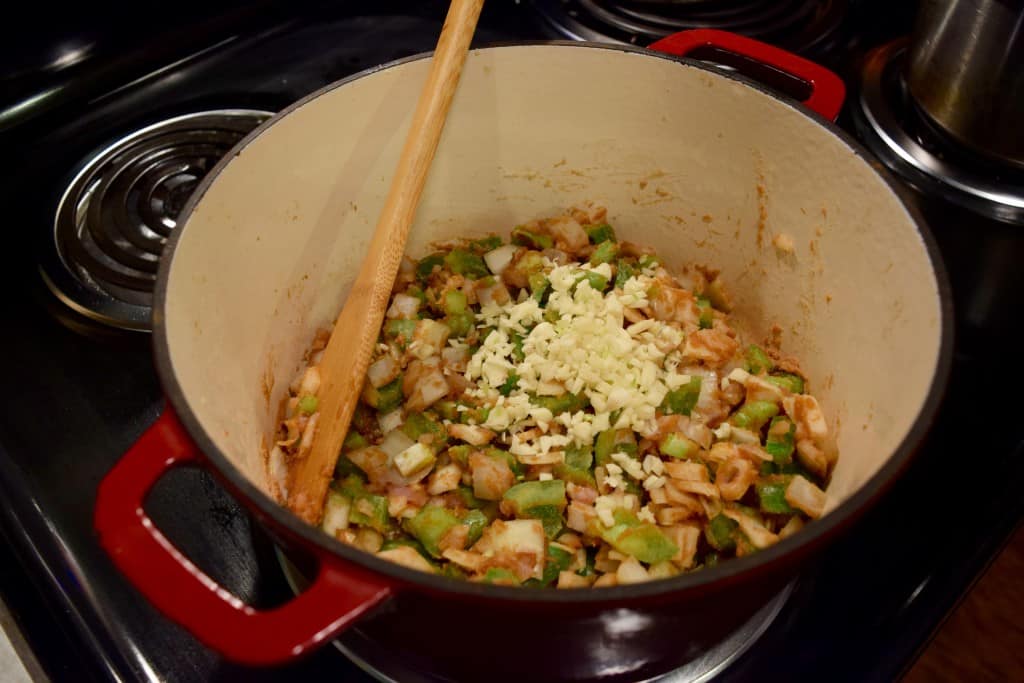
(827, 90)
(339, 594)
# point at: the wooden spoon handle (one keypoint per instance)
(348, 351)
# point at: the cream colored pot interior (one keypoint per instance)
(702, 168)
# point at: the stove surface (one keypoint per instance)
(78, 394)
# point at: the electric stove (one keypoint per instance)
(108, 119)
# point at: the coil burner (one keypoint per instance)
(115, 217)
(804, 26)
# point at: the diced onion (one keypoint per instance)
(497, 260)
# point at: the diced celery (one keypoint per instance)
(430, 525)
(460, 324)
(532, 494)
(676, 445)
(415, 291)
(400, 328)
(336, 513)
(370, 510)
(401, 541)
(474, 415)
(415, 458)
(758, 360)
(566, 402)
(460, 455)
(454, 302)
(600, 233)
(720, 533)
(642, 540)
(780, 441)
(606, 252)
(681, 401)
(467, 264)
(754, 414)
(426, 265)
(354, 440)
(773, 498)
(787, 380)
(533, 240)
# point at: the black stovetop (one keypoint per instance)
(75, 397)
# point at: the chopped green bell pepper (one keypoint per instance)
(486, 244)
(539, 287)
(597, 281)
(681, 401)
(385, 398)
(558, 561)
(550, 517)
(418, 424)
(430, 525)
(623, 271)
(467, 264)
(600, 233)
(614, 441)
(426, 265)
(532, 494)
(707, 315)
(720, 533)
(606, 252)
(476, 520)
(534, 240)
(566, 402)
(511, 382)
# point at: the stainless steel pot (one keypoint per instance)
(966, 73)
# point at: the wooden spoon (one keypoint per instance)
(348, 351)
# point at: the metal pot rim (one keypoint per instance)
(789, 549)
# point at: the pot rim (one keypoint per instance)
(727, 573)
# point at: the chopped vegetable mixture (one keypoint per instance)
(559, 410)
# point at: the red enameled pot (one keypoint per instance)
(703, 165)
